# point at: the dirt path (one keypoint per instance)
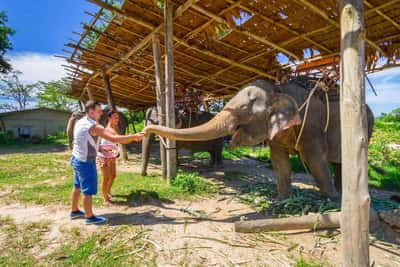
(200, 232)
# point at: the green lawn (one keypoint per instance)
(46, 178)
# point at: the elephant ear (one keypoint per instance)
(283, 115)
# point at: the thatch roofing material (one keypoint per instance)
(221, 45)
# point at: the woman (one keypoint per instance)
(107, 155)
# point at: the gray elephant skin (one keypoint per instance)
(184, 120)
(75, 116)
(263, 111)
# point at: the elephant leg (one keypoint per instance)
(145, 153)
(282, 170)
(337, 169)
(318, 165)
(213, 159)
(218, 157)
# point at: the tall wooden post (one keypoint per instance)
(107, 88)
(111, 105)
(160, 93)
(169, 82)
(355, 200)
(89, 93)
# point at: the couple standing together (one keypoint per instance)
(92, 140)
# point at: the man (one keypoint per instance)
(83, 160)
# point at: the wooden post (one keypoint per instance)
(160, 92)
(355, 200)
(107, 88)
(169, 82)
(89, 93)
(111, 105)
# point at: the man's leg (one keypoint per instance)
(87, 205)
(76, 192)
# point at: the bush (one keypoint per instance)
(192, 183)
(6, 137)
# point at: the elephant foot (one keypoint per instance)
(333, 195)
(283, 195)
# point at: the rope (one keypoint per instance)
(327, 111)
(164, 143)
(306, 104)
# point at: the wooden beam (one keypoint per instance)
(169, 86)
(160, 92)
(325, 16)
(354, 137)
(383, 15)
(226, 60)
(142, 43)
(248, 34)
(281, 25)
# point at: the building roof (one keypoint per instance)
(220, 45)
(33, 110)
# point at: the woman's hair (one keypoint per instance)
(110, 113)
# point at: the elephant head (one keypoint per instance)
(257, 113)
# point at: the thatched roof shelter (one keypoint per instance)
(220, 45)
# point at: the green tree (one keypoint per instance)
(53, 95)
(12, 88)
(5, 44)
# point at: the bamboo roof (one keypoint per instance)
(219, 45)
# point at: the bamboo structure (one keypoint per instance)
(219, 46)
(355, 200)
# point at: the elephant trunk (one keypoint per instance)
(221, 125)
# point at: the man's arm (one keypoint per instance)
(99, 130)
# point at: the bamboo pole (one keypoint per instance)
(354, 144)
(160, 92)
(169, 82)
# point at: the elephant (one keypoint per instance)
(184, 119)
(264, 112)
(77, 115)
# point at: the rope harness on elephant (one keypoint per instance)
(306, 104)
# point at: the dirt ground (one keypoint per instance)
(182, 234)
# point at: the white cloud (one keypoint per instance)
(38, 67)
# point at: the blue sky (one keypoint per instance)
(44, 26)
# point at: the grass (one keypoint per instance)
(384, 162)
(301, 201)
(46, 178)
(125, 245)
(302, 262)
(21, 242)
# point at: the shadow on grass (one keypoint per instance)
(140, 197)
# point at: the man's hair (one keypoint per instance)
(91, 104)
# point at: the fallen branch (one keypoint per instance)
(308, 222)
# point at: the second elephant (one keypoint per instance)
(184, 120)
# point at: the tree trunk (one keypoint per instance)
(169, 82)
(355, 200)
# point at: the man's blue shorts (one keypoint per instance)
(85, 176)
